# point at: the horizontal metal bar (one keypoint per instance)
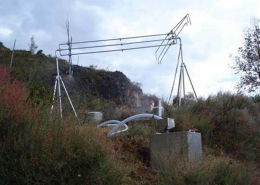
(104, 40)
(105, 51)
(109, 45)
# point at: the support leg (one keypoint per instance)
(54, 93)
(69, 98)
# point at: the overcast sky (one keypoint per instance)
(215, 33)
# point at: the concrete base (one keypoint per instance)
(94, 116)
(175, 146)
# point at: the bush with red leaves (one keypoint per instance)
(13, 95)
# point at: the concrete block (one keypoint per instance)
(94, 116)
(169, 147)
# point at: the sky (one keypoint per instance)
(215, 33)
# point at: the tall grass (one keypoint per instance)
(212, 170)
(35, 150)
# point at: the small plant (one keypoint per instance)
(32, 45)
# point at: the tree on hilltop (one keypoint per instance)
(32, 45)
(248, 60)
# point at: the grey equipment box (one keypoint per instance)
(168, 148)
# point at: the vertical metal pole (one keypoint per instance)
(59, 91)
(70, 60)
(69, 45)
(11, 63)
(179, 88)
(182, 68)
(53, 98)
(183, 87)
(176, 70)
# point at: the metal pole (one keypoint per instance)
(53, 97)
(179, 88)
(11, 63)
(125, 38)
(69, 45)
(174, 36)
(182, 72)
(105, 51)
(70, 60)
(109, 45)
(175, 76)
(69, 98)
(190, 82)
(59, 91)
(183, 85)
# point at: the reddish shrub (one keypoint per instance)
(13, 94)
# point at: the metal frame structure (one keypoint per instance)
(57, 89)
(173, 36)
(161, 41)
(181, 85)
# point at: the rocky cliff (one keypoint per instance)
(108, 85)
(98, 83)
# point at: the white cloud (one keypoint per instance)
(5, 32)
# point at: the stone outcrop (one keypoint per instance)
(92, 82)
(107, 85)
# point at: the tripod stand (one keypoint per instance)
(181, 85)
(57, 87)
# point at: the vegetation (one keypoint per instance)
(248, 60)
(38, 150)
(226, 121)
(32, 46)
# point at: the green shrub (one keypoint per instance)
(212, 170)
(226, 121)
(251, 147)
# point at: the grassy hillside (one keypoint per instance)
(39, 72)
(39, 148)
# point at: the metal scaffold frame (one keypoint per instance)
(161, 41)
(181, 85)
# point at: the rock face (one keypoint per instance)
(94, 83)
(2, 47)
(107, 85)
